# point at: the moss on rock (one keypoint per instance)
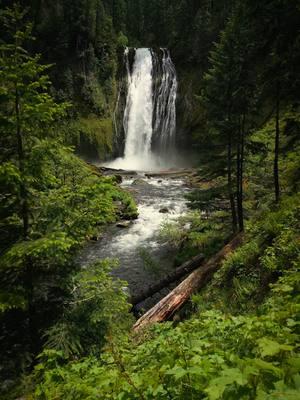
(94, 132)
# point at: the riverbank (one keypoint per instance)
(144, 256)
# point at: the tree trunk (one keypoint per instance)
(163, 310)
(238, 175)
(241, 191)
(23, 191)
(173, 276)
(24, 211)
(229, 184)
(276, 149)
(33, 334)
(239, 180)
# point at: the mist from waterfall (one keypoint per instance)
(149, 119)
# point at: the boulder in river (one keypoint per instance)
(164, 210)
(96, 238)
(118, 178)
(139, 181)
(123, 224)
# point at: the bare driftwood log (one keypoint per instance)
(173, 276)
(164, 309)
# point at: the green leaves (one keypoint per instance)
(12, 300)
(46, 251)
(228, 377)
(51, 202)
(177, 372)
(269, 347)
(213, 355)
(98, 306)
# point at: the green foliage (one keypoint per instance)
(286, 247)
(150, 264)
(10, 223)
(271, 247)
(212, 356)
(79, 38)
(242, 341)
(51, 203)
(122, 40)
(194, 233)
(98, 132)
(71, 203)
(259, 171)
(98, 305)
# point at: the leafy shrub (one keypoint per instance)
(97, 305)
(69, 205)
(194, 233)
(212, 356)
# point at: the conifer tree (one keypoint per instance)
(27, 112)
(228, 95)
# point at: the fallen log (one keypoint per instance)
(113, 171)
(165, 308)
(173, 276)
(169, 173)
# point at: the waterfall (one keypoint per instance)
(139, 109)
(165, 111)
(149, 119)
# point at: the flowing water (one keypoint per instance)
(143, 255)
(165, 105)
(149, 123)
(149, 119)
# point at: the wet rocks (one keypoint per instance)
(123, 224)
(164, 210)
(96, 238)
(118, 178)
(113, 171)
(139, 181)
(171, 173)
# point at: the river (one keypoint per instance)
(148, 125)
(144, 257)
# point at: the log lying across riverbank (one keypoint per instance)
(171, 277)
(164, 309)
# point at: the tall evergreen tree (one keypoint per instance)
(228, 95)
(26, 111)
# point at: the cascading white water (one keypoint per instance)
(165, 113)
(148, 111)
(139, 110)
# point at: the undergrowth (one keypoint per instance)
(242, 348)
